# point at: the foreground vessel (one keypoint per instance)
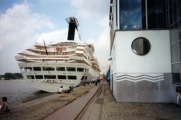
(50, 66)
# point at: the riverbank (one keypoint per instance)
(15, 79)
(43, 108)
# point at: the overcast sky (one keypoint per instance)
(24, 22)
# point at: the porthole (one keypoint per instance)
(140, 46)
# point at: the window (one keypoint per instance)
(22, 69)
(85, 77)
(174, 35)
(156, 13)
(176, 73)
(170, 16)
(48, 69)
(30, 77)
(60, 68)
(72, 77)
(175, 52)
(166, 3)
(39, 76)
(50, 76)
(179, 25)
(174, 12)
(62, 77)
(141, 46)
(170, 2)
(175, 55)
(179, 8)
(37, 68)
(82, 78)
(115, 15)
(80, 69)
(71, 69)
(132, 14)
(28, 68)
(86, 70)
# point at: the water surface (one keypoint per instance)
(19, 91)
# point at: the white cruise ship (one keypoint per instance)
(50, 66)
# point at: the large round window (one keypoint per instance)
(140, 46)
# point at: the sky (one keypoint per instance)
(24, 22)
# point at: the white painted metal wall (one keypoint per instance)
(158, 60)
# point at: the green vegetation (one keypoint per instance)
(1, 76)
(9, 76)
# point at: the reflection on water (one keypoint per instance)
(19, 91)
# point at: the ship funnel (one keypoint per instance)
(73, 24)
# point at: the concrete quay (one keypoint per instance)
(112, 110)
(104, 107)
(74, 109)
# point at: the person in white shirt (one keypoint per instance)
(61, 90)
(93, 80)
(4, 106)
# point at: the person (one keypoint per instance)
(109, 81)
(61, 90)
(98, 79)
(96, 82)
(93, 80)
(4, 106)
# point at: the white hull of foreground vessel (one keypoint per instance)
(53, 85)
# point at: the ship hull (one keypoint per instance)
(53, 85)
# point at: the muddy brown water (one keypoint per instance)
(19, 91)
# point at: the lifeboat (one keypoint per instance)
(92, 61)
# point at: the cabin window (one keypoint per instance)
(60, 68)
(71, 69)
(80, 69)
(85, 77)
(72, 77)
(30, 77)
(86, 70)
(28, 68)
(50, 76)
(62, 77)
(48, 69)
(37, 68)
(21, 68)
(82, 78)
(39, 76)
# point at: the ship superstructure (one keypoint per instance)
(50, 66)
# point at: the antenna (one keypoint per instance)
(45, 47)
(72, 20)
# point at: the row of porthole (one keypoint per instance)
(64, 77)
(51, 77)
(72, 69)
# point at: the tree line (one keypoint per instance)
(9, 76)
